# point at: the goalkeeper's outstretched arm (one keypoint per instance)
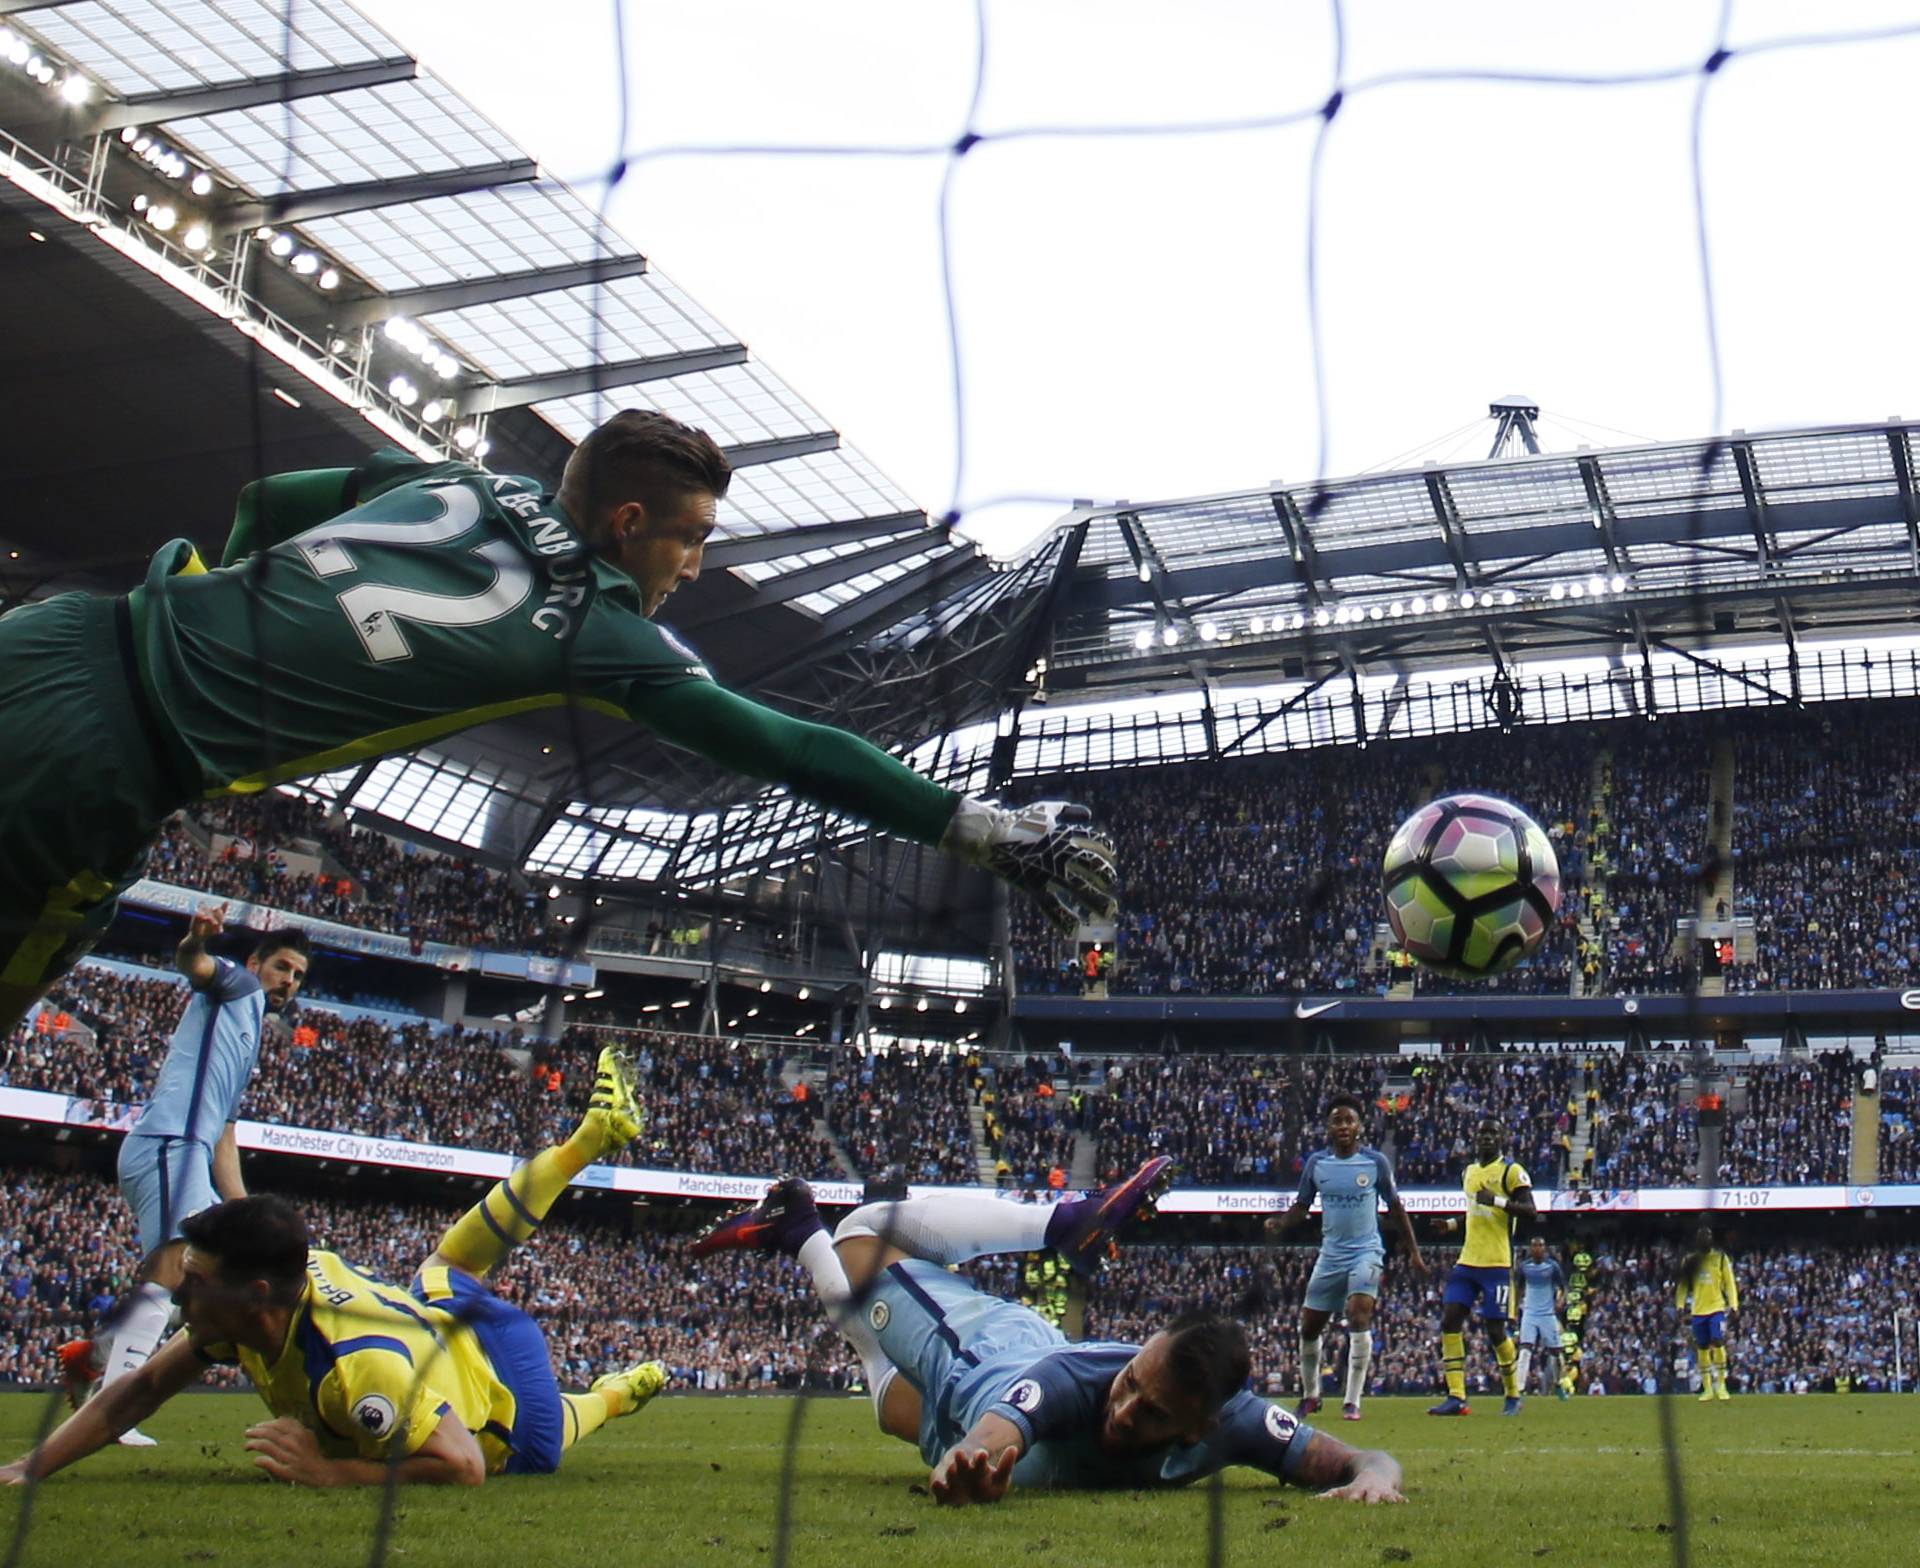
(1050, 850)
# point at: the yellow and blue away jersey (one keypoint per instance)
(1489, 1242)
(1710, 1285)
(370, 1370)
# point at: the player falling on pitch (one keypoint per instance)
(181, 1157)
(1499, 1191)
(1351, 1183)
(361, 612)
(440, 1383)
(1707, 1290)
(994, 1395)
(1543, 1296)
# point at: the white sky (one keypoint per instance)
(1133, 312)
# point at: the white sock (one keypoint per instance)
(1522, 1366)
(830, 1283)
(951, 1227)
(1309, 1367)
(1359, 1363)
(137, 1331)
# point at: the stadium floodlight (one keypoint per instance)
(282, 245)
(140, 202)
(1619, 584)
(76, 90)
(569, 997)
(465, 437)
(263, 235)
(1146, 572)
(202, 184)
(959, 1004)
(886, 1004)
(196, 237)
(433, 412)
(920, 1006)
(481, 449)
(34, 62)
(402, 391)
(130, 134)
(18, 51)
(1299, 622)
(1143, 639)
(337, 345)
(143, 145)
(1170, 635)
(1376, 613)
(1439, 604)
(1321, 617)
(1576, 590)
(162, 218)
(765, 987)
(1466, 600)
(805, 992)
(683, 1002)
(1557, 591)
(1596, 586)
(753, 1012)
(1508, 598)
(1419, 605)
(306, 263)
(1257, 625)
(1208, 631)
(446, 367)
(328, 279)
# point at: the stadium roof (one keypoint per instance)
(239, 238)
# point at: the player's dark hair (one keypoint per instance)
(290, 939)
(1208, 1355)
(254, 1238)
(640, 455)
(1347, 1102)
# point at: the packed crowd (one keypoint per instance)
(1796, 1127)
(903, 1109)
(365, 878)
(1900, 1125)
(1031, 1127)
(1252, 1120)
(1826, 842)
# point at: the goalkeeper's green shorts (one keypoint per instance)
(83, 787)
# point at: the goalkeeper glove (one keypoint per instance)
(1049, 849)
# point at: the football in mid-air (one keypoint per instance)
(1471, 885)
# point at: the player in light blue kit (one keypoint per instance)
(1543, 1296)
(180, 1156)
(993, 1394)
(1351, 1183)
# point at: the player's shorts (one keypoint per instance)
(164, 1180)
(941, 1332)
(1542, 1329)
(1489, 1287)
(83, 791)
(1340, 1275)
(518, 1353)
(1709, 1328)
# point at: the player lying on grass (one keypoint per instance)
(442, 1382)
(362, 612)
(994, 1394)
(181, 1152)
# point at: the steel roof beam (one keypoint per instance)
(749, 453)
(1756, 502)
(738, 550)
(1300, 545)
(522, 391)
(1447, 515)
(1909, 505)
(15, 7)
(811, 579)
(332, 200)
(485, 291)
(1595, 485)
(929, 581)
(187, 103)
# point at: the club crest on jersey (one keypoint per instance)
(375, 1414)
(1025, 1396)
(1363, 1181)
(879, 1315)
(1280, 1425)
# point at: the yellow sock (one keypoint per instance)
(1453, 1360)
(587, 1413)
(1720, 1364)
(1704, 1355)
(512, 1210)
(1507, 1354)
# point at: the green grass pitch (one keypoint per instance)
(1822, 1479)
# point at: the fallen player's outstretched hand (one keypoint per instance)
(1050, 850)
(1367, 1487)
(287, 1451)
(972, 1475)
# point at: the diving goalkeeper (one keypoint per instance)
(361, 612)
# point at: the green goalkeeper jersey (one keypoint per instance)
(370, 611)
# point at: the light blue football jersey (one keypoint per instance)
(1351, 1191)
(210, 1060)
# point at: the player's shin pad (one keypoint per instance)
(1049, 850)
(1453, 1361)
(1507, 1355)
